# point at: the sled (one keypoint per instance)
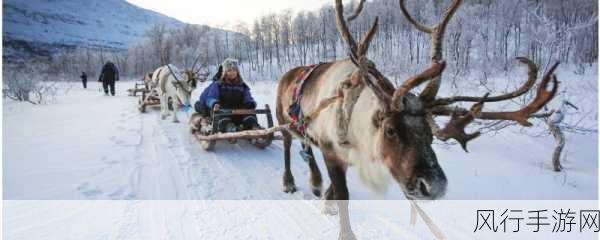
(139, 87)
(149, 98)
(208, 133)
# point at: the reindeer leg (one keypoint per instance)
(175, 109)
(329, 194)
(288, 179)
(337, 174)
(329, 206)
(315, 174)
(163, 107)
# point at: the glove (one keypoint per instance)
(216, 107)
(185, 108)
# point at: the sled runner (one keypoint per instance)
(207, 132)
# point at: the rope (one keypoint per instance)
(176, 79)
(414, 209)
(322, 106)
(171, 71)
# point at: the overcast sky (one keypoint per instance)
(224, 13)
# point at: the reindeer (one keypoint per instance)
(174, 90)
(175, 87)
(363, 120)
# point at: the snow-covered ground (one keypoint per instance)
(229, 219)
(89, 146)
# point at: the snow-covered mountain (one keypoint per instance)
(39, 27)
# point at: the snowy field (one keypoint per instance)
(90, 146)
(86, 146)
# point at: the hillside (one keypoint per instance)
(39, 28)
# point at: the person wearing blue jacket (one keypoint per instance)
(228, 91)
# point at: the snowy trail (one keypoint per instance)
(92, 147)
(230, 219)
(89, 146)
(141, 157)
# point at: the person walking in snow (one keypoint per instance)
(108, 76)
(228, 91)
(84, 79)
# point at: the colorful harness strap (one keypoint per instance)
(298, 120)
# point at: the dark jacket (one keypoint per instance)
(109, 73)
(229, 96)
(83, 77)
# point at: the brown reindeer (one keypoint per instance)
(383, 130)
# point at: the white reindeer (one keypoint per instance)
(174, 88)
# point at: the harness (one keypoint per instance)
(299, 121)
(176, 80)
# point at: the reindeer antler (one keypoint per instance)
(436, 33)
(457, 124)
(522, 115)
(460, 117)
(433, 71)
(357, 11)
(390, 98)
(194, 64)
(358, 52)
(532, 77)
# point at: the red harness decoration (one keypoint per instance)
(295, 112)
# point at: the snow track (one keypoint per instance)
(144, 157)
(90, 146)
(93, 147)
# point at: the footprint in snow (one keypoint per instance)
(89, 191)
(117, 194)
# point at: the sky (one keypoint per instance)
(224, 13)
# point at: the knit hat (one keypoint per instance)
(230, 63)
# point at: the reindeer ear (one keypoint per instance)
(397, 103)
(378, 118)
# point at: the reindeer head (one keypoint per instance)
(191, 78)
(192, 74)
(184, 85)
(403, 123)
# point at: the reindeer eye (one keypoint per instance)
(390, 132)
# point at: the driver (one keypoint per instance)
(228, 91)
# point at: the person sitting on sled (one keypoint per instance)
(228, 91)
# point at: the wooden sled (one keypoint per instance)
(139, 87)
(149, 98)
(208, 134)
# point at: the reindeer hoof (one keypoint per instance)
(316, 190)
(289, 188)
(288, 183)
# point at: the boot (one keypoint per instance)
(226, 125)
(250, 123)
